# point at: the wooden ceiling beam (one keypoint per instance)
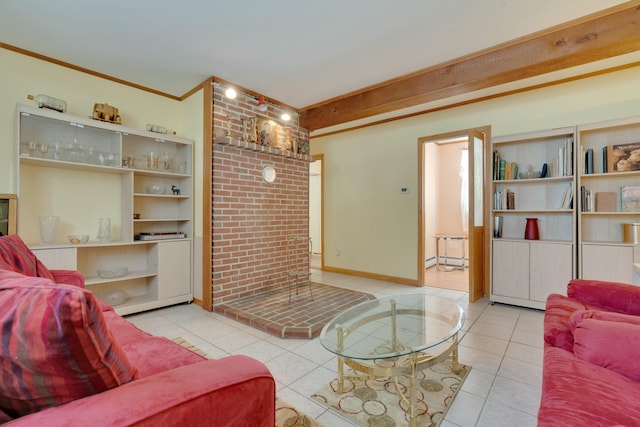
(613, 32)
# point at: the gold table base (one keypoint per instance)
(409, 364)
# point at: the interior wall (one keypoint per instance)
(449, 182)
(315, 205)
(449, 193)
(193, 123)
(23, 75)
(431, 213)
(375, 226)
(253, 219)
(442, 188)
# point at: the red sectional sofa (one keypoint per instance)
(591, 371)
(67, 359)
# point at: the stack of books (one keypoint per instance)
(503, 170)
(504, 199)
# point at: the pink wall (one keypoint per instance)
(442, 195)
(449, 181)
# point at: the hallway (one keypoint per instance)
(455, 280)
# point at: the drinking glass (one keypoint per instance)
(48, 229)
(43, 149)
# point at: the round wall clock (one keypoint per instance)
(268, 173)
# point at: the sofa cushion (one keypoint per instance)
(557, 328)
(152, 355)
(578, 393)
(16, 256)
(580, 315)
(123, 331)
(54, 345)
(612, 345)
(610, 296)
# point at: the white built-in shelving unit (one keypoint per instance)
(83, 170)
(604, 255)
(524, 272)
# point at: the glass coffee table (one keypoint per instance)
(410, 332)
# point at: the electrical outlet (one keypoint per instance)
(338, 252)
(405, 190)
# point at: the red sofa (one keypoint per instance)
(67, 359)
(591, 371)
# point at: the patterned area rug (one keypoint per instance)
(186, 344)
(376, 403)
(286, 414)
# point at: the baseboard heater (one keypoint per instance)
(430, 262)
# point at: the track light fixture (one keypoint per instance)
(262, 104)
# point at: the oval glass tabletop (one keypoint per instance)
(392, 326)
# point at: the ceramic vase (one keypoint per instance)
(531, 229)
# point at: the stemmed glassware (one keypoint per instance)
(57, 149)
(33, 147)
(43, 149)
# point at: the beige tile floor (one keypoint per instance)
(503, 344)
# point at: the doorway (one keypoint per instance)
(316, 196)
(447, 213)
(451, 229)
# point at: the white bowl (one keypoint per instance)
(76, 239)
(114, 297)
(155, 189)
(529, 174)
(112, 272)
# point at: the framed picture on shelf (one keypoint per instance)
(623, 157)
(630, 198)
(8, 212)
(267, 132)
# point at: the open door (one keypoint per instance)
(478, 237)
(476, 215)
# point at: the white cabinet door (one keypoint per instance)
(607, 262)
(511, 269)
(551, 268)
(57, 259)
(174, 268)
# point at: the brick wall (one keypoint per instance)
(252, 218)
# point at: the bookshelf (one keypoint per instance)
(608, 171)
(524, 272)
(82, 170)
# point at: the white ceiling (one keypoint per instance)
(298, 52)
